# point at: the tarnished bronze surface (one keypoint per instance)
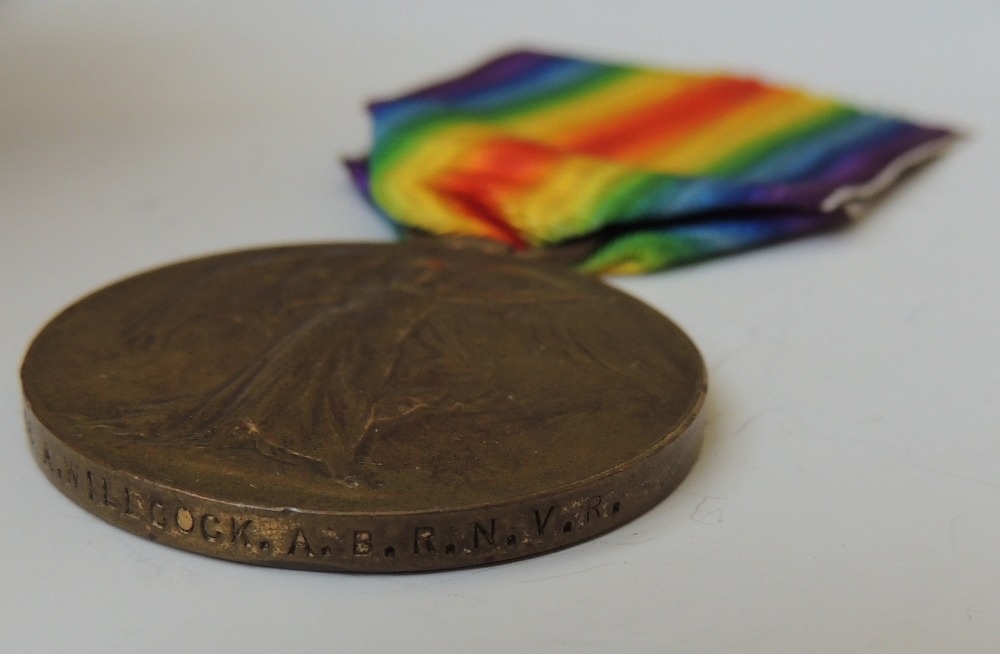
(364, 407)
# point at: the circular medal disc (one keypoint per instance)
(366, 407)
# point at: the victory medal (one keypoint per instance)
(364, 407)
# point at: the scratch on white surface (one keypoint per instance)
(461, 575)
(708, 511)
(566, 574)
(755, 417)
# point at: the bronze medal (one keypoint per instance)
(366, 407)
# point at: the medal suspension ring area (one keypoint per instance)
(364, 407)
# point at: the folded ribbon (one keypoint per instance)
(655, 167)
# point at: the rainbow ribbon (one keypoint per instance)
(656, 168)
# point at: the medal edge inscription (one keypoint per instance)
(409, 542)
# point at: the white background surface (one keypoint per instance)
(848, 496)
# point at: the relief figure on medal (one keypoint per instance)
(326, 356)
